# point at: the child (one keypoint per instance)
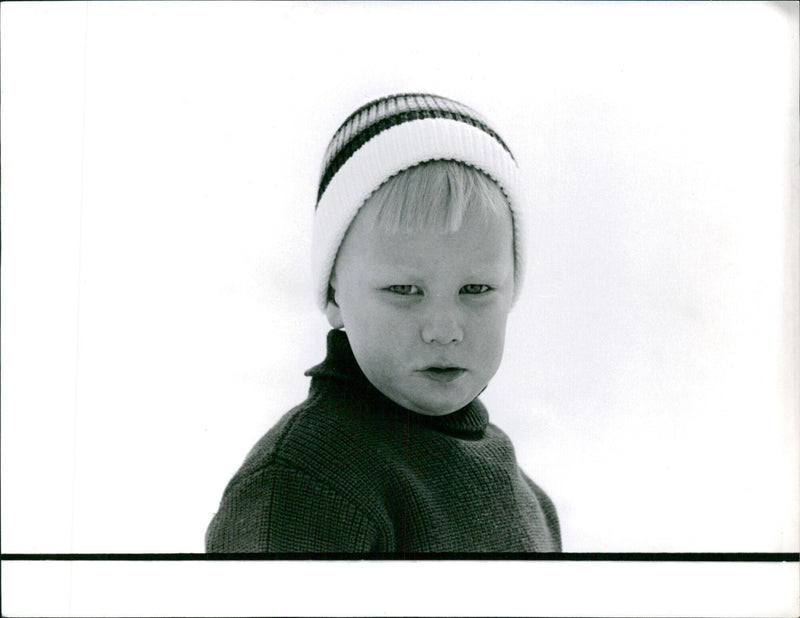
(417, 256)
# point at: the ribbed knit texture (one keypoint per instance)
(348, 470)
(392, 134)
(381, 114)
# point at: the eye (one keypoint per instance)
(475, 288)
(404, 290)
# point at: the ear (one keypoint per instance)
(332, 311)
(334, 314)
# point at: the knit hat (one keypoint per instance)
(389, 135)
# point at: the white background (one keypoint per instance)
(159, 174)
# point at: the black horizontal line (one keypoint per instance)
(562, 557)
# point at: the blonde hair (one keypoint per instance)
(436, 195)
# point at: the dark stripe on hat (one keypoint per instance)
(423, 100)
(358, 140)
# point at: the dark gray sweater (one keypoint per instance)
(348, 470)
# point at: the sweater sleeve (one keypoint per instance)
(549, 510)
(281, 509)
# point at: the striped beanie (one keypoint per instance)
(389, 135)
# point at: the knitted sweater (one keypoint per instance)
(348, 470)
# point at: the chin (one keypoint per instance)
(437, 409)
(435, 412)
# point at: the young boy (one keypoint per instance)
(417, 255)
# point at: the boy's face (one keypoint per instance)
(426, 311)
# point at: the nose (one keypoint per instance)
(442, 325)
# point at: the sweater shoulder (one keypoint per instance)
(332, 440)
(264, 452)
(302, 467)
(320, 434)
(277, 510)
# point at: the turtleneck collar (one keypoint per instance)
(340, 365)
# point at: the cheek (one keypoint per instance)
(379, 337)
(491, 333)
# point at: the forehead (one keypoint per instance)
(483, 238)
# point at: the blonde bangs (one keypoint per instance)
(436, 195)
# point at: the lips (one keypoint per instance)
(443, 374)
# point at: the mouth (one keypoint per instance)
(443, 374)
